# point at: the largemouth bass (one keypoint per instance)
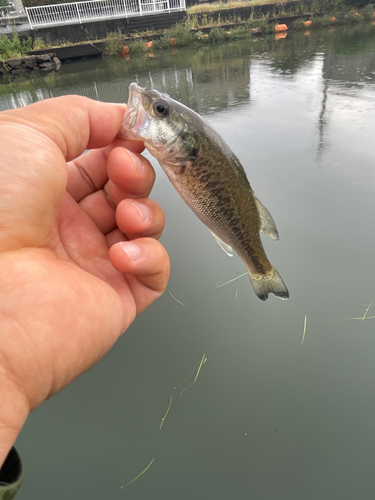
(209, 178)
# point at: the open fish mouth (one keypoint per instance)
(135, 117)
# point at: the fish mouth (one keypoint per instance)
(135, 116)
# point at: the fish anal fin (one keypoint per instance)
(267, 224)
(227, 248)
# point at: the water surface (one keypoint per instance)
(268, 418)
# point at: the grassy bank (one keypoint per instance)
(205, 30)
(232, 4)
(210, 26)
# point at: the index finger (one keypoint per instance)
(37, 140)
(89, 172)
(73, 123)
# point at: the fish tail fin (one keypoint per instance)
(271, 282)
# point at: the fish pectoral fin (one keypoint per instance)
(267, 224)
(227, 249)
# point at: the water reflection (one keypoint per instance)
(268, 418)
(210, 79)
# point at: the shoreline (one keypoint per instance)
(209, 33)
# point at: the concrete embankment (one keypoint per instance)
(87, 32)
(96, 49)
(78, 51)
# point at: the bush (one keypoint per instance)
(161, 44)
(39, 44)
(14, 47)
(182, 34)
(113, 44)
(216, 35)
(240, 32)
(137, 47)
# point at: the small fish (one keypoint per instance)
(209, 178)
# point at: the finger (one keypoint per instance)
(131, 172)
(115, 236)
(88, 172)
(58, 129)
(145, 259)
(135, 218)
(100, 209)
(73, 123)
(140, 218)
(135, 177)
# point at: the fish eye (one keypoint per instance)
(161, 109)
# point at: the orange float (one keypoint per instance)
(173, 41)
(280, 28)
(148, 45)
(333, 19)
(125, 50)
(308, 23)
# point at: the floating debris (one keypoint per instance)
(139, 475)
(304, 330)
(196, 373)
(230, 281)
(362, 319)
(367, 310)
(173, 297)
(166, 413)
(203, 360)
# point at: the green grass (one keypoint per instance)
(13, 47)
(232, 4)
(136, 46)
(114, 43)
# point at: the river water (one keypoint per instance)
(284, 406)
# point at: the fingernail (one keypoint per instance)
(137, 162)
(132, 249)
(142, 209)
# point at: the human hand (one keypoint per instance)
(79, 256)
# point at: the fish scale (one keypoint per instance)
(209, 178)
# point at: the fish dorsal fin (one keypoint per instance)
(267, 224)
(227, 249)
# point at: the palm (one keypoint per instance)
(84, 246)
